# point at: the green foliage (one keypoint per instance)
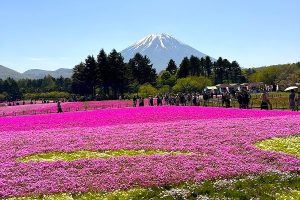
(3, 96)
(166, 78)
(195, 66)
(147, 90)
(102, 76)
(286, 75)
(48, 87)
(47, 95)
(90, 74)
(78, 80)
(165, 89)
(226, 72)
(10, 90)
(110, 77)
(118, 79)
(191, 84)
(141, 69)
(172, 67)
(184, 68)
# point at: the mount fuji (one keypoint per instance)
(160, 48)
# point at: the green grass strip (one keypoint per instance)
(69, 156)
(289, 145)
(272, 185)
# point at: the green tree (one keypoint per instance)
(90, 74)
(12, 90)
(219, 71)
(141, 69)
(226, 66)
(165, 89)
(236, 75)
(48, 83)
(172, 67)
(195, 66)
(184, 68)
(166, 78)
(208, 65)
(118, 70)
(103, 72)
(191, 84)
(79, 80)
(147, 90)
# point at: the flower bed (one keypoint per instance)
(34, 109)
(220, 144)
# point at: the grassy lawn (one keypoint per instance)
(289, 145)
(69, 156)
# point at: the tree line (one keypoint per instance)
(107, 76)
(45, 88)
(284, 74)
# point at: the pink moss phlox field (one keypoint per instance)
(32, 109)
(128, 116)
(222, 142)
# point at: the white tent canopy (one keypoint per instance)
(291, 88)
(211, 88)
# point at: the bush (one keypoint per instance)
(147, 90)
(47, 95)
(3, 97)
(191, 84)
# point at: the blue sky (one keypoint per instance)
(50, 34)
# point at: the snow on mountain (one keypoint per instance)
(160, 48)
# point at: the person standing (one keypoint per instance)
(177, 100)
(246, 99)
(239, 97)
(298, 101)
(265, 102)
(227, 100)
(151, 101)
(223, 99)
(134, 101)
(59, 109)
(292, 102)
(141, 102)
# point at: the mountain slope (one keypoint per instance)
(6, 72)
(160, 48)
(38, 73)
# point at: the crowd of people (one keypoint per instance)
(243, 98)
(193, 99)
(172, 100)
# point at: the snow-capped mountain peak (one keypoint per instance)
(157, 39)
(160, 48)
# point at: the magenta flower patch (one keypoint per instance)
(222, 142)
